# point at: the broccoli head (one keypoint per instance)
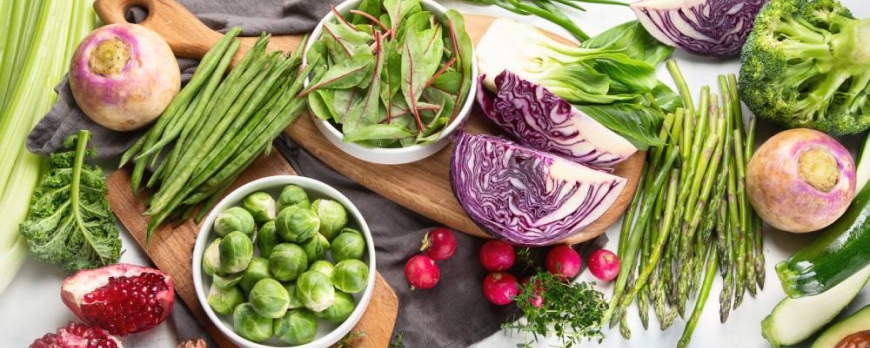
(806, 63)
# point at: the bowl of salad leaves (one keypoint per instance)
(393, 79)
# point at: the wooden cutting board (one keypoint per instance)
(171, 250)
(422, 186)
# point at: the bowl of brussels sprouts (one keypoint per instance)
(284, 261)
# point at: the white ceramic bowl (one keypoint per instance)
(327, 334)
(393, 155)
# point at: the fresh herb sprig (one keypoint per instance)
(351, 340)
(569, 312)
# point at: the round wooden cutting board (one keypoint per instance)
(422, 186)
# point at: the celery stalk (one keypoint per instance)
(37, 68)
(20, 25)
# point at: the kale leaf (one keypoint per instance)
(70, 223)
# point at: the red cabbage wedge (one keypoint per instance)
(526, 196)
(714, 28)
(539, 119)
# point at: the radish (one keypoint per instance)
(604, 265)
(500, 288)
(422, 272)
(439, 244)
(123, 76)
(497, 256)
(563, 262)
(535, 299)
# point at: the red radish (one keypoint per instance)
(536, 299)
(497, 256)
(439, 244)
(422, 272)
(563, 262)
(500, 288)
(76, 335)
(604, 265)
(122, 298)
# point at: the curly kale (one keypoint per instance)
(806, 63)
(70, 223)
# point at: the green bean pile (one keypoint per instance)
(218, 125)
(691, 215)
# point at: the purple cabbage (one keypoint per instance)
(715, 28)
(526, 196)
(539, 119)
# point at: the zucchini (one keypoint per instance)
(794, 320)
(856, 323)
(840, 251)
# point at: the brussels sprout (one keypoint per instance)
(267, 238)
(294, 300)
(250, 325)
(226, 281)
(287, 262)
(333, 216)
(315, 291)
(348, 246)
(269, 298)
(223, 301)
(315, 247)
(296, 224)
(236, 250)
(340, 310)
(322, 266)
(257, 269)
(350, 276)
(234, 219)
(261, 205)
(292, 195)
(297, 327)
(211, 258)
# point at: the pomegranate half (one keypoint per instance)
(122, 299)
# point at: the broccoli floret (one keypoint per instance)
(806, 63)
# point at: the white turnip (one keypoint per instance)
(123, 76)
(801, 180)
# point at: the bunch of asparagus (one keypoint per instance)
(691, 215)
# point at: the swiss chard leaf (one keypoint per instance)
(320, 104)
(637, 123)
(460, 44)
(346, 74)
(398, 9)
(378, 132)
(70, 223)
(420, 60)
(367, 112)
(344, 42)
(372, 7)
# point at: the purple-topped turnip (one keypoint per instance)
(123, 76)
(801, 180)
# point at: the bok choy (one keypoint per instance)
(611, 77)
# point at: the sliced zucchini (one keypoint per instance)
(794, 320)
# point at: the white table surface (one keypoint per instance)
(31, 306)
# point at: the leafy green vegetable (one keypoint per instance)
(395, 75)
(637, 123)
(70, 223)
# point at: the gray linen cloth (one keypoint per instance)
(453, 314)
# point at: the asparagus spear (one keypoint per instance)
(712, 262)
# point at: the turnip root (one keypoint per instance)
(801, 180)
(123, 76)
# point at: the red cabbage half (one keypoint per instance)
(715, 28)
(526, 196)
(538, 118)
